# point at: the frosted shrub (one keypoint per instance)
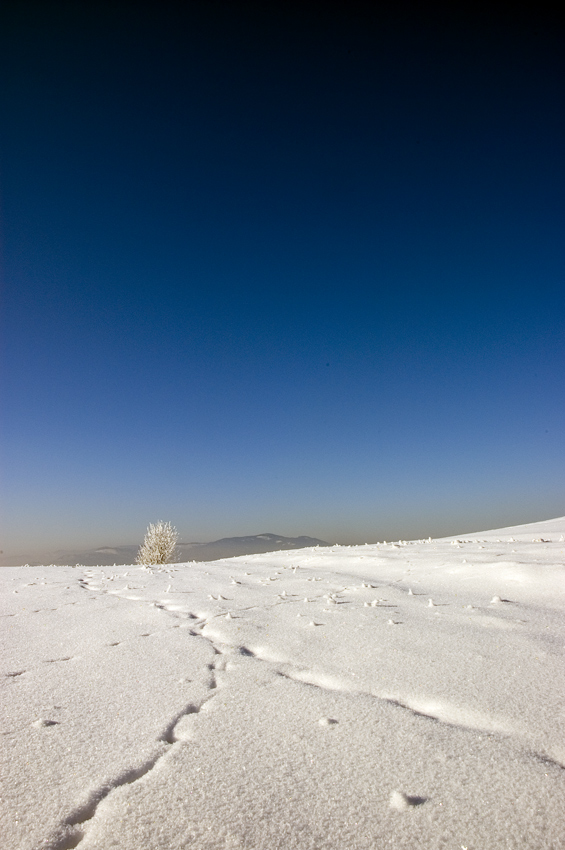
(159, 544)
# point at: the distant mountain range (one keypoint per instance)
(227, 547)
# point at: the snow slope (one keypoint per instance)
(394, 695)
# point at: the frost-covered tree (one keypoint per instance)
(159, 544)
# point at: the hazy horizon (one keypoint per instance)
(423, 533)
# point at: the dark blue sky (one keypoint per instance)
(270, 267)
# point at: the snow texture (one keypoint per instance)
(396, 695)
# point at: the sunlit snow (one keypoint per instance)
(399, 695)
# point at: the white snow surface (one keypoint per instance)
(399, 695)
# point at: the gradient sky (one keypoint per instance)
(270, 267)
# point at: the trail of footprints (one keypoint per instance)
(178, 729)
(73, 829)
(15, 674)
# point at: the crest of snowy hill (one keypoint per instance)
(395, 695)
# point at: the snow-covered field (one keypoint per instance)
(405, 695)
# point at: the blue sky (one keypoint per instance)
(274, 268)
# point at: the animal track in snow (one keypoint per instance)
(169, 736)
(57, 660)
(69, 834)
(212, 684)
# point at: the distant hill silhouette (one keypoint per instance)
(227, 547)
